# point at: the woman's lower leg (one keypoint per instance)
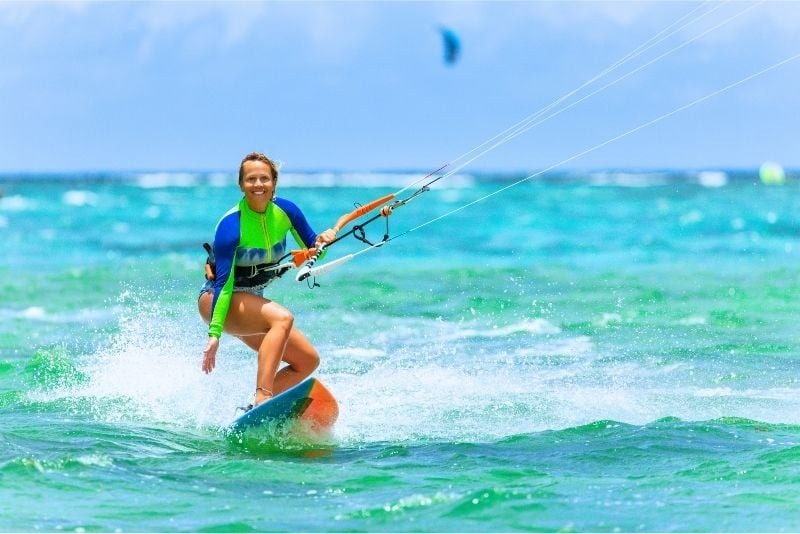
(270, 353)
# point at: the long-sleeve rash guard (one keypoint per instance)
(245, 238)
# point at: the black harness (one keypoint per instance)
(245, 276)
(256, 275)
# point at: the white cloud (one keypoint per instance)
(198, 27)
(332, 32)
(235, 21)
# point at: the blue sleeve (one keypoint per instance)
(299, 223)
(226, 240)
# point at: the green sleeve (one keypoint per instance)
(221, 308)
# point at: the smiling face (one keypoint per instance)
(257, 184)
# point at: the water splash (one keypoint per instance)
(424, 380)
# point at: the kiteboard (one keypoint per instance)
(309, 402)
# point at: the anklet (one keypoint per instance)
(265, 390)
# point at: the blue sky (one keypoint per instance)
(362, 85)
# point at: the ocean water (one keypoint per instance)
(591, 351)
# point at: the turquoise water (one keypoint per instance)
(591, 351)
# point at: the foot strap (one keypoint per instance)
(245, 408)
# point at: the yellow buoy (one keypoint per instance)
(772, 173)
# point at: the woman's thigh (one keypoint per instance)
(299, 353)
(247, 314)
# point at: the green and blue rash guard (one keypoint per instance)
(245, 238)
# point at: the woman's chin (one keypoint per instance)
(257, 203)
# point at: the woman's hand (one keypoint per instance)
(210, 354)
(325, 237)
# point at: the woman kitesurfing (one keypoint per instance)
(248, 240)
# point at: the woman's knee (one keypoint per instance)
(282, 319)
(312, 361)
(301, 354)
(307, 363)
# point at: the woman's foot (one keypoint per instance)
(262, 395)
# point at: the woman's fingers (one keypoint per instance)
(210, 354)
(326, 237)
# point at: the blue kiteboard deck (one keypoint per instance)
(308, 401)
